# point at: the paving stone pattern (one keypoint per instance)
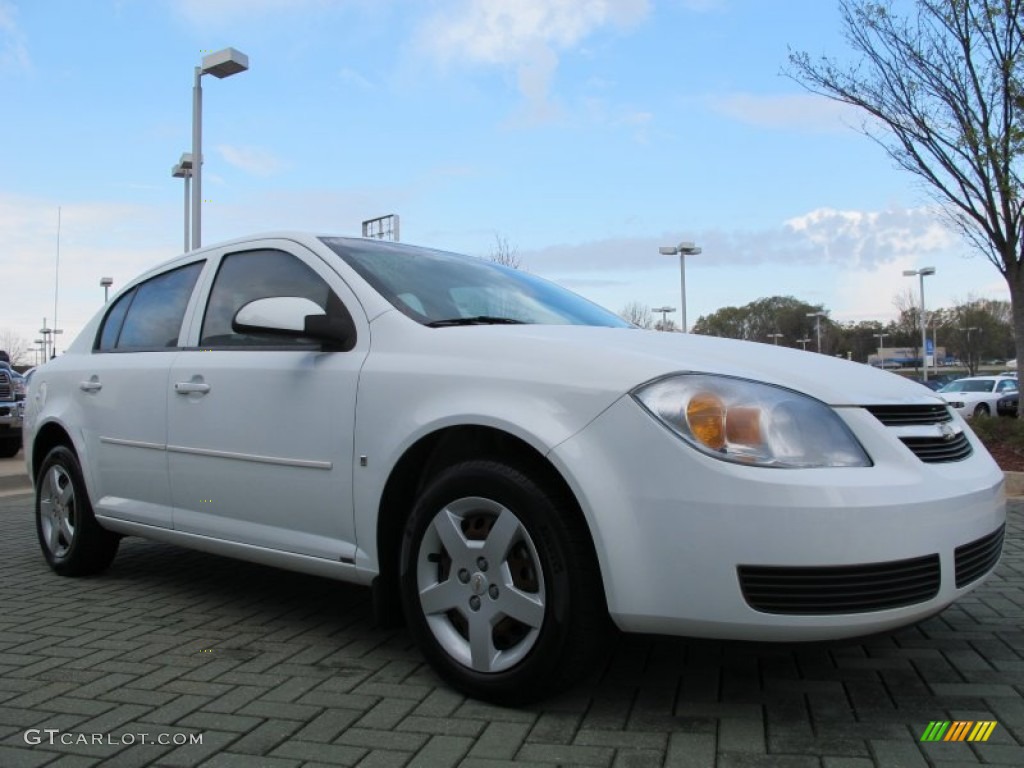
(281, 670)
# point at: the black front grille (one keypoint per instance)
(937, 450)
(979, 557)
(910, 415)
(931, 449)
(5, 386)
(828, 590)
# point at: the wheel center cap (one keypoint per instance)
(478, 583)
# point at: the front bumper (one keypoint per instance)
(11, 414)
(673, 528)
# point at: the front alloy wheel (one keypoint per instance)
(480, 584)
(500, 584)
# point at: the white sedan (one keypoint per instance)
(510, 467)
(978, 395)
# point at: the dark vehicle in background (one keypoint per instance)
(12, 402)
(1007, 406)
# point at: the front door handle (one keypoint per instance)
(191, 388)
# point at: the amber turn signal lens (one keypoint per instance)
(705, 414)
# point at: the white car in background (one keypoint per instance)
(978, 395)
(505, 463)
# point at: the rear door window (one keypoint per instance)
(149, 317)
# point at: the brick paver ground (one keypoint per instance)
(281, 670)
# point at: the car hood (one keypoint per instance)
(620, 359)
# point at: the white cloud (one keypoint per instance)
(804, 111)
(13, 46)
(525, 36)
(205, 13)
(254, 160)
(848, 240)
(96, 240)
(352, 77)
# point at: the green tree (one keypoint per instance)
(760, 319)
(941, 88)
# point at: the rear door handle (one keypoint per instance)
(92, 385)
(191, 388)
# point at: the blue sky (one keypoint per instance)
(586, 132)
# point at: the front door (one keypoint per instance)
(260, 428)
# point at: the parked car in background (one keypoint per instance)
(12, 396)
(1007, 405)
(978, 395)
(507, 464)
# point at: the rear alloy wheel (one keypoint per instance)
(499, 585)
(73, 543)
(981, 410)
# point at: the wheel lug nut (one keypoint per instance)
(493, 591)
(474, 603)
(481, 563)
(463, 575)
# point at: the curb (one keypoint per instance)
(15, 484)
(1014, 484)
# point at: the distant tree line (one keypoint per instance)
(974, 331)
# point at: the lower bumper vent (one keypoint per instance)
(829, 590)
(979, 557)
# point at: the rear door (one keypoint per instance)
(121, 396)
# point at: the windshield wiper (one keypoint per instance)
(474, 320)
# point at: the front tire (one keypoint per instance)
(500, 585)
(73, 543)
(981, 410)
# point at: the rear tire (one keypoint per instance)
(500, 585)
(73, 543)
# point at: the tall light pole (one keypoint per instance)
(664, 315)
(968, 330)
(803, 343)
(183, 170)
(881, 338)
(923, 272)
(776, 337)
(105, 283)
(221, 64)
(817, 325)
(683, 249)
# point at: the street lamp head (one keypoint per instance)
(224, 63)
(106, 282)
(663, 309)
(909, 272)
(179, 171)
(668, 250)
(926, 271)
(185, 161)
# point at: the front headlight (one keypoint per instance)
(751, 423)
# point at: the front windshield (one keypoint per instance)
(436, 287)
(967, 385)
